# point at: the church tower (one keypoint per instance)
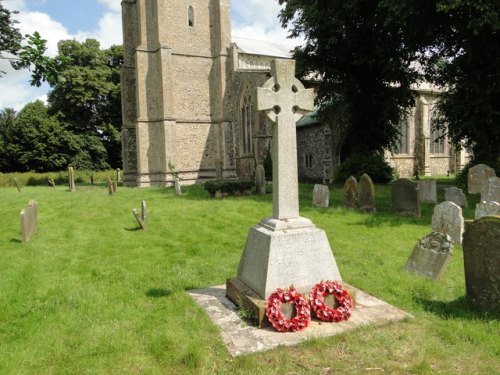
(173, 86)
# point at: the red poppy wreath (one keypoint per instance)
(277, 318)
(325, 313)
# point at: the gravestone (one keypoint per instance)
(427, 192)
(477, 178)
(491, 191)
(448, 219)
(455, 195)
(321, 196)
(285, 249)
(144, 211)
(177, 186)
(366, 194)
(260, 180)
(482, 262)
(487, 209)
(430, 255)
(18, 183)
(29, 218)
(118, 175)
(405, 200)
(140, 221)
(350, 191)
(51, 183)
(71, 179)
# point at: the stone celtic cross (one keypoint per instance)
(284, 100)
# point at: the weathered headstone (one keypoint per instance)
(321, 196)
(455, 195)
(405, 198)
(430, 255)
(18, 183)
(448, 219)
(350, 191)
(366, 194)
(280, 246)
(71, 179)
(118, 175)
(478, 177)
(139, 219)
(260, 180)
(177, 187)
(29, 219)
(51, 183)
(491, 191)
(482, 262)
(427, 192)
(144, 211)
(218, 170)
(487, 209)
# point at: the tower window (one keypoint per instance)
(191, 16)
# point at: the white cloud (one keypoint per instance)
(109, 30)
(113, 5)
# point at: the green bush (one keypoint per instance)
(373, 165)
(228, 187)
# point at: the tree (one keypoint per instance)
(364, 62)
(10, 38)
(36, 141)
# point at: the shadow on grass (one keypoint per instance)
(458, 308)
(134, 229)
(15, 240)
(158, 292)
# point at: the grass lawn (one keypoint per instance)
(91, 294)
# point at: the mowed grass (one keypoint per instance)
(91, 294)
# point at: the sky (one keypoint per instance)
(101, 19)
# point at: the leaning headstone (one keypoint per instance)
(144, 211)
(478, 178)
(430, 255)
(366, 194)
(448, 219)
(482, 262)
(260, 179)
(51, 183)
(19, 186)
(29, 219)
(350, 192)
(405, 198)
(491, 192)
(71, 179)
(138, 217)
(177, 186)
(455, 195)
(321, 196)
(487, 209)
(427, 192)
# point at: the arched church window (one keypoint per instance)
(190, 16)
(438, 135)
(246, 121)
(402, 144)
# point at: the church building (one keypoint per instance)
(188, 110)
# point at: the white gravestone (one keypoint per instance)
(448, 219)
(285, 249)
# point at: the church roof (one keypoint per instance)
(262, 48)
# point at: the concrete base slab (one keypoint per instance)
(241, 338)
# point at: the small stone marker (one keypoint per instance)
(491, 191)
(427, 192)
(51, 183)
(431, 255)
(118, 175)
(482, 262)
(19, 186)
(350, 192)
(218, 170)
(321, 196)
(448, 219)
(487, 209)
(405, 200)
(111, 186)
(144, 211)
(478, 178)
(177, 186)
(260, 180)
(71, 179)
(29, 219)
(138, 217)
(455, 195)
(366, 194)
